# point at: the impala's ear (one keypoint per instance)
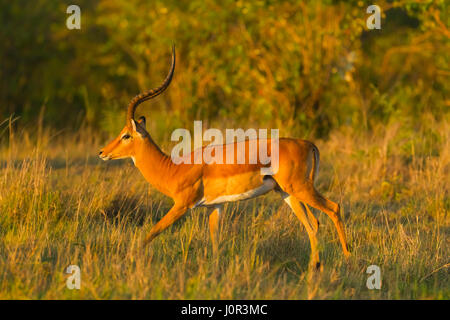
(141, 121)
(133, 124)
(140, 127)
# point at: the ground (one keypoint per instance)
(60, 205)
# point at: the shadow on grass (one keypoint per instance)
(288, 253)
(126, 210)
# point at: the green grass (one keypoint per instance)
(60, 205)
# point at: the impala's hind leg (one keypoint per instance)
(316, 200)
(310, 226)
(312, 218)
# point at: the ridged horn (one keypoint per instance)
(144, 96)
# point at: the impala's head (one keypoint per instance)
(134, 132)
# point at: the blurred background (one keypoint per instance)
(306, 67)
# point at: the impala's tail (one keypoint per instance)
(315, 163)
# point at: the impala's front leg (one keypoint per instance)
(173, 215)
(214, 228)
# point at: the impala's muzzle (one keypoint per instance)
(104, 157)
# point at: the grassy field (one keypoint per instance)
(61, 205)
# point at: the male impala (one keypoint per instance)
(211, 184)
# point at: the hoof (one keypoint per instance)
(315, 267)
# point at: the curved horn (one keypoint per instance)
(151, 93)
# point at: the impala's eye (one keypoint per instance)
(126, 136)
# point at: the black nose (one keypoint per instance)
(100, 152)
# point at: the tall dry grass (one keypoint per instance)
(60, 205)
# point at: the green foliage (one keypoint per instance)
(305, 67)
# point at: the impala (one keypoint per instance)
(211, 185)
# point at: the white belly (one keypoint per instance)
(267, 185)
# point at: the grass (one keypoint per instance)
(60, 205)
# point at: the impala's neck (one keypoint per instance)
(154, 164)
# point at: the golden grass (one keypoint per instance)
(60, 205)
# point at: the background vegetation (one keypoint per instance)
(376, 102)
